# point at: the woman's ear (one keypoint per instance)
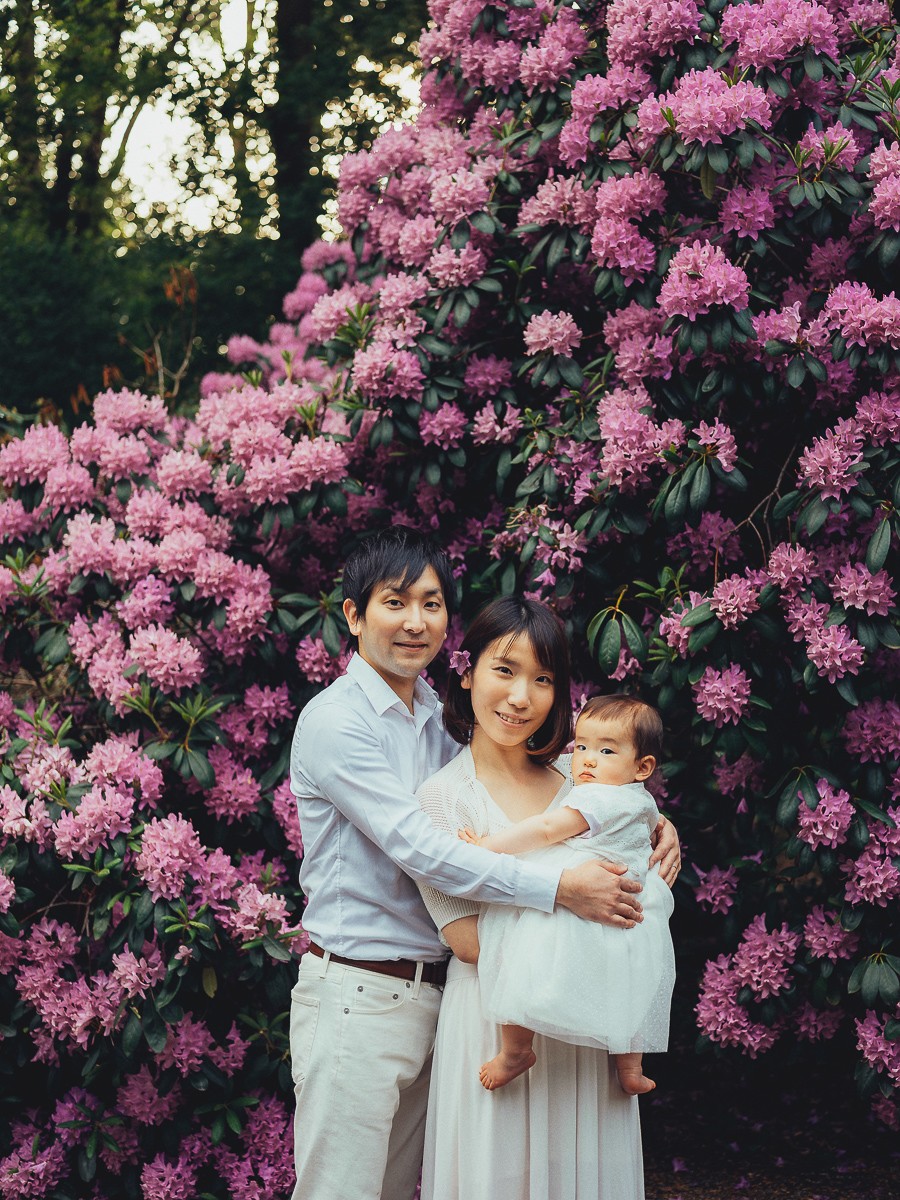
(465, 680)
(645, 768)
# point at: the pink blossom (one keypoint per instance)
(763, 958)
(878, 417)
(458, 194)
(554, 333)
(705, 108)
(284, 808)
(7, 892)
(722, 696)
(416, 240)
(791, 566)
(826, 938)
(486, 375)
(879, 1051)
(456, 268)
(722, 1019)
(769, 31)
(170, 851)
(733, 600)
(828, 464)
(885, 204)
(235, 793)
(834, 652)
(856, 587)
(823, 147)
(546, 63)
(721, 439)
(168, 661)
(871, 878)
(716, 888)
(828, 822)
(641, 30)
(489, 427)
(444, 428)
(815, 1024)
(316, 662)
(872, 731)
(699, 277)
(382, 371)
(103, 813)
(747, 212)
(139, 1099)
(616, 242)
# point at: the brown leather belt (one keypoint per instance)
(397, 968)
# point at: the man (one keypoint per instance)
(365, 1007)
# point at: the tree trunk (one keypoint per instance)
(292, 122)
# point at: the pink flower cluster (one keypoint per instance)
(699, 278)
(552, 333)
(769, 31)
(722, 696)
(632, 441)
(704, 107)
(763, 959)
(828, 822)
(722, 1019)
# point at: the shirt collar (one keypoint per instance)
(381, 695)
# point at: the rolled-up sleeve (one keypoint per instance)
(353, 773)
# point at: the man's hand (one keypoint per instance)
(600, 891)
(666, 850)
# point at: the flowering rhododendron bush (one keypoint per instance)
(615, 319)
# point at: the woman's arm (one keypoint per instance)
(462, 938)
(544, 829)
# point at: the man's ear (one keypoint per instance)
(645, 768)
(353, 618)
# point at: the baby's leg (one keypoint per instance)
(515, 1058)
(631, 1074)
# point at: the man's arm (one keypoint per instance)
(343, 756)
(666, 850)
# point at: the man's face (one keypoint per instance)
(401, 631)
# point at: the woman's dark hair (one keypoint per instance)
(505, 620)
(396, 556)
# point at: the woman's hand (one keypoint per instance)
(466, 835)
(602, 892)
(666, 850)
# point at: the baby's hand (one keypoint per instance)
(466, 835)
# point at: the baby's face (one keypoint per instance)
(604, 753)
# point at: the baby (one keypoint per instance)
(575, 980)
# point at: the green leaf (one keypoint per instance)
(717, 157)
(610, 646)
(697, 616)
(201, 768)
(276, 950)
(131, 1035)
(879, 545)
(331, 636)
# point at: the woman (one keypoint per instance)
(565, 1130)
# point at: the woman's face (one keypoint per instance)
(512, 693)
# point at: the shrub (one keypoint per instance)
(614, 319)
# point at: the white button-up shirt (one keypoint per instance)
(357, 757)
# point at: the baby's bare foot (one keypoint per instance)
(508, 1065)
(633, 1080)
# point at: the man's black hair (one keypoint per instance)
(396, 556)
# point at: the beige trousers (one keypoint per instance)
(361, 1048)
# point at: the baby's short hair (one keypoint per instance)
(641, 719)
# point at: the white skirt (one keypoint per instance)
(565, 1130)
(589, 984)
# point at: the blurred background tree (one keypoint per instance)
(162, 166)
